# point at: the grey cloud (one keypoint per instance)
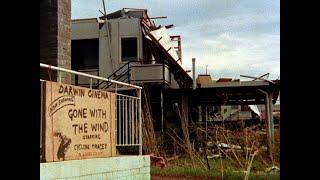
(232, 36)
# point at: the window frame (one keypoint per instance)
(120, 47)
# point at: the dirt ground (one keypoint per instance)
(159, 177)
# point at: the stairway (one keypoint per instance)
(122, 75)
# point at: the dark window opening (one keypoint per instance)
(129, 49)
(85, 54)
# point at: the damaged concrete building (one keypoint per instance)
(250, 114)
(128, 46)
(225, 113)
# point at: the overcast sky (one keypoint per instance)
(231, 37)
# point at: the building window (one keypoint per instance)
(84, 54)
(129, 49)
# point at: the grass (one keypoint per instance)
(183, 167)
(231, 163)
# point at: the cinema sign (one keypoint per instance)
(78, 123)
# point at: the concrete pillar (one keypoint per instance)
(271, 118)
(199, 113)
(55, 37)
(269, 122)
(64, 38)
(206, 122)
(162, 114)
(194, 73)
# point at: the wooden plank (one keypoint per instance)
(79, 122)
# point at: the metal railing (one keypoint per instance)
(124, 73)
(127, 108)
(124, 69)
(128, 121)
(80, 81)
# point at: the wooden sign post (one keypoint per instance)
(79, 122)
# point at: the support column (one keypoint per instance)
(271, 118)
(269, 121)
(64, 39)
(194, 86)
(199, 114)
(162, 115)
(55, 38)
(206, 122)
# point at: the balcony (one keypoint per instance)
(153, 72)
(136, 72)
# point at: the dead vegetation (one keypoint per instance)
(244, 148)
(150, 142)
